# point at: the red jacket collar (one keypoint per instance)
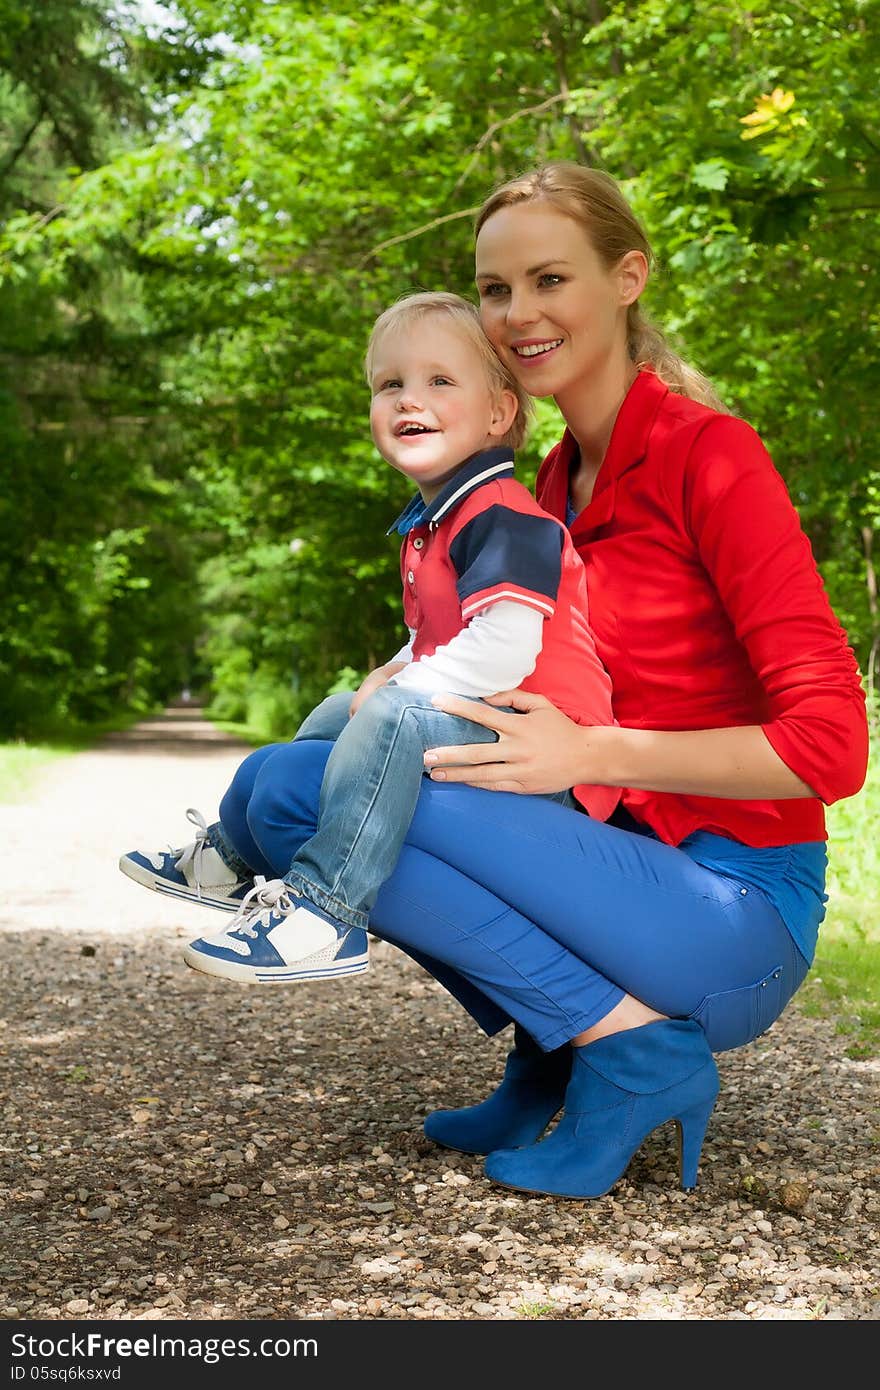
(626, 448)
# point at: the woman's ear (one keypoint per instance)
(632, 276)
(504, 409)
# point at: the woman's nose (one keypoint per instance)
(521, 309)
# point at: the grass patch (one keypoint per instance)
(844, 983)
(535, 1310)
(20, 764)
(22, 761)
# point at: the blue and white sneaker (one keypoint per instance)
(196, 872)
(279, 938)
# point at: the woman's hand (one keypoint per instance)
(539, 750)
(381, 676)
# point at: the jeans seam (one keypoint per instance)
(365, 817)
(404, 710)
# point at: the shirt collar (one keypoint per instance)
(480, 468)
(628, 444)
(627, 447)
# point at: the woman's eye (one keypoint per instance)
(550, 280)
(492, 290)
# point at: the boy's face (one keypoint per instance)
(432, 404)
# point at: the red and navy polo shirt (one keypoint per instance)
(482, 540)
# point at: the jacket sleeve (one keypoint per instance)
(749, 537)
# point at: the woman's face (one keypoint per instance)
(551, 309)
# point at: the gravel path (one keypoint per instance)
(180, 1147)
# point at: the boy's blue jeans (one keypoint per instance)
(369, 793)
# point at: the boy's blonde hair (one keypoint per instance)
(460, 314)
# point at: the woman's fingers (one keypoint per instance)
(475, 711)
(493, 777)
(522, 701)
(539, 750)
(469, 755)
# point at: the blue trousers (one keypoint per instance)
(371, 785)
(527, 910)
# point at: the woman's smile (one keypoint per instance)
(533, 349)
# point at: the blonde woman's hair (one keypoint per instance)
(461, 315)
(594, 199)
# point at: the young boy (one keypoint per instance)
(494, 598)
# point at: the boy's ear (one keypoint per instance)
(504, 411)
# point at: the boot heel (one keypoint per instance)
(691, 1126)
(622, 1088)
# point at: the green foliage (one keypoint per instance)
(198, 224)
(196, 234)
(92, 528)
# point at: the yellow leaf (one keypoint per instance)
(768, 108)
(781, 100)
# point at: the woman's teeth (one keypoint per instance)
(536, 349)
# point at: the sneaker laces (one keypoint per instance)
(192, 854)
(259, 904)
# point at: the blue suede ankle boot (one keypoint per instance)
(518, 1112)
(622, 1087)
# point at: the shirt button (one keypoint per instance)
(411, 577)
(418, 543)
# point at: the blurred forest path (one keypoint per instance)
(62, 842)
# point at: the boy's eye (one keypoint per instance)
(392, 384)
(441, 381)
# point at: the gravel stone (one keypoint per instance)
(177, 1146)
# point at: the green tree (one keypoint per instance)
(204, 284)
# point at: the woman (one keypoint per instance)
(625, 953)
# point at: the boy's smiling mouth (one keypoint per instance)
(411, 428)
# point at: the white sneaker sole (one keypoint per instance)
(141, 875)
(274, 974)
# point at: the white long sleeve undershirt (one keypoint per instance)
(496, 651)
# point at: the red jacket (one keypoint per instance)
(709, 612)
